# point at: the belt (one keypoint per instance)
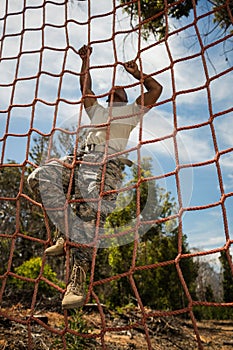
(101, 148)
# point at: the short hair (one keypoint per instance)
(116, 91)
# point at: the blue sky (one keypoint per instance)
(199, 184)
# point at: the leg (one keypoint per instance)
(50, 184)
(87, 186)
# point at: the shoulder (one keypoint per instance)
(136, 110)
(95, 109)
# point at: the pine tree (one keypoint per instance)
(20, 219)
(160, 286)
(227, 278)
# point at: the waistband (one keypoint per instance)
(101, 149)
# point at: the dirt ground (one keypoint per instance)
(123, 331)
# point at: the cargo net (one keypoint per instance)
(182, 146)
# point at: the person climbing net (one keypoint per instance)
(95, 201)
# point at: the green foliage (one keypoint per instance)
(153, 14)
(5, 244)
(10, 180)
(32, 269)
(227, 278)
(159, 287)
(127, 202)
(19, 217)
(39, 149)
(120, 260)
(17, 213)
(218, 312)
(223, 13)
(209, 295)
(78, 324)
(213, 312)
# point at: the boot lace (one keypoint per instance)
(78, 278)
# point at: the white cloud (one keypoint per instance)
(195, 146)
(224, 129)
(153, 59)
(14, 6)
(227, 162)
(204, 228)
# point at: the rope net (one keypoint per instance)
(191, 122)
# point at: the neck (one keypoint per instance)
(117, 104)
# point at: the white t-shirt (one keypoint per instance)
(119, 122)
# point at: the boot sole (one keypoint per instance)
(54, 254)
(72, 306)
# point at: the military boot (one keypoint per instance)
(57, 249)
(75, 293)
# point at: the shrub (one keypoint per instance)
(31, 269)
(75, 342)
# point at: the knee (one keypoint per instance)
(33, 179)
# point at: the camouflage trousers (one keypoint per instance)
(78, 200)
